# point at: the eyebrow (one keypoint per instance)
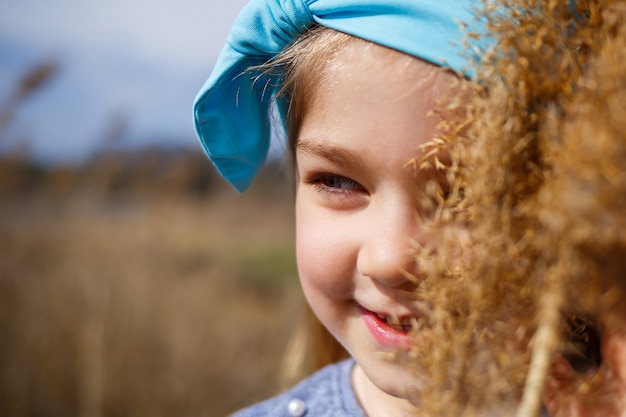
(323, 149)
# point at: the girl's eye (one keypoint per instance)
(339, 182)
(334, 183)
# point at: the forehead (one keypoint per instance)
(374, 100)
(380, 77)
(369, 57)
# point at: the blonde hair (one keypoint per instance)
(300, 68)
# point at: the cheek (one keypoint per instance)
(324, 261)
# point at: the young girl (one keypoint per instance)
(354, 83)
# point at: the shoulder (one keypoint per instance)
(327, 393)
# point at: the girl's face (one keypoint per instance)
(356, 205)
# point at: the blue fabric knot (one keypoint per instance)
(270, 26)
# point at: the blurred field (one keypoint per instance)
(130, 291)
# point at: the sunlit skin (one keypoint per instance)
(356, 208)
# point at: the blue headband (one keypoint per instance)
(232, 108)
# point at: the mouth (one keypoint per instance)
(404, 324)
(388, 330)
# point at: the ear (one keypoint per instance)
(605, 392)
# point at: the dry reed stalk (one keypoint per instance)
(537, 182)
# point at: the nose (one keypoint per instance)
(386, 254)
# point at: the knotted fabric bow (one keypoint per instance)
(232, 109)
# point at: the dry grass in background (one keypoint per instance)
(143, 304)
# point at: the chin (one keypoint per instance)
(394, 377)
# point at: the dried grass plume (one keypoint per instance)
(529, 261)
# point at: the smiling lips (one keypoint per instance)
(389, 332)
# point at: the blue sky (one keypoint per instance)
(140, 62)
